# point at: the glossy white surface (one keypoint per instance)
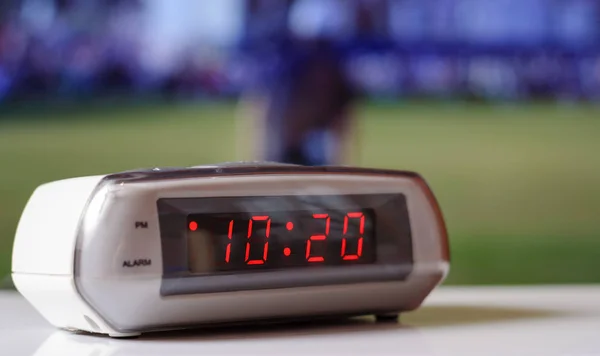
(454, 321)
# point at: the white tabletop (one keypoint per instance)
(453, 321)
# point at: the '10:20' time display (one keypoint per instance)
(243, 241)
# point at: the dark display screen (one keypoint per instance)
(217, 244)
(274, 240)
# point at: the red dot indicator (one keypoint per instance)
(193, 226)
(289, 225)
(287, 251)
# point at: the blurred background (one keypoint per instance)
(494, 102)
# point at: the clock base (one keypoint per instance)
(386, 318)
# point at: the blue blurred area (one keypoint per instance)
(501, 49)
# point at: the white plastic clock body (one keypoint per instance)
(163, 249)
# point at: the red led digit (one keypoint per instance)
(266, 247)
(229, 235)
(317, 237)
(249, 228)
(348, 216)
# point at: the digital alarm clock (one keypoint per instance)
(171, 248)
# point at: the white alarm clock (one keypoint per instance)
(162, 249)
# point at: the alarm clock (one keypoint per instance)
(171, 248)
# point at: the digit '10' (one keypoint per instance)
(247, 256)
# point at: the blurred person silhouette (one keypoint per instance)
(301, 113)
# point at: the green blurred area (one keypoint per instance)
(518, 184)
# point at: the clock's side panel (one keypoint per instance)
(43, 253)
